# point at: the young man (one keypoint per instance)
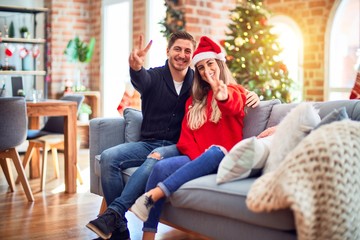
(164, 91)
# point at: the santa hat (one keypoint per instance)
(207, 49)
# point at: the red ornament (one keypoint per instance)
(222, 43)
(229, 58)
(283, 67)
(35, 51)
(23, 52)
(252, 40)
(9, 50)
(263, 21)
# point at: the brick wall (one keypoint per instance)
(312, 17)
(139, 20)
(207, 17)
(67, 19)
(210, 17)
(94, 82)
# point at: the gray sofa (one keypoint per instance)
(202, 206)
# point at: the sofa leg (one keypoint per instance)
(103, 206)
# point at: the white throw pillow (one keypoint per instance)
(291, 130)
(245, 159)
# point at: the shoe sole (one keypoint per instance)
(98, 231)
(138, 213)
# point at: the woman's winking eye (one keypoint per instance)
(209, 63)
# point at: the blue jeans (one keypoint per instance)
(169, 174)
(118, 195)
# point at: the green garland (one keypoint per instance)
(174, 19)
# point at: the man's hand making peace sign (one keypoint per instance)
(137, 56)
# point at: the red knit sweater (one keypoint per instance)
(227, 132)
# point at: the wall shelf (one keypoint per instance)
(32, 68)
(24, 73)
(22, 40)
(22, 9)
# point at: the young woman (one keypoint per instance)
(212, 125)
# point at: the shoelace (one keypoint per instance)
(149, 202)
(110, 213)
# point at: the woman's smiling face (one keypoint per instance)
(210, 66)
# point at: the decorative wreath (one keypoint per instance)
(174, 19)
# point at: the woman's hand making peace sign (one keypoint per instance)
(218, 86)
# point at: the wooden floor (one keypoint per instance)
(56, 215)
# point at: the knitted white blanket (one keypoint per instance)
(320, 181)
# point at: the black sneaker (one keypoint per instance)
(105, 224)
(117, 235)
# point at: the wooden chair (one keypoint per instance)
(50, 137)
(13, 127)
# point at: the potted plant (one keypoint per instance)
(78, 51)
(84, 112)
(24, 32)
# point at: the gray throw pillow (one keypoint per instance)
(256, 119)
(133, 119)
(335, 115)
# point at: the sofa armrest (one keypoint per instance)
(103, 133)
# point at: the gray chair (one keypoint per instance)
(50, 137)
(13, 127)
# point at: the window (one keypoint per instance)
(157, 53)
(343, 49)
(115, 50)
(290, 39)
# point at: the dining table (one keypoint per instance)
(67, 109)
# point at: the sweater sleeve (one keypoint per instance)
(236, 100)
(187, 144)
(140, 79)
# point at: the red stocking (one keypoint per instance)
(355, 92)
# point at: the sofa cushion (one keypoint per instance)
(245, 159)
(97, 165)
(335, 115)
(278, 113)
(133, 119)
(352, 108)
(292, 129)
(228, 200)
(256, 119)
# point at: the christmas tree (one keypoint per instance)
(253, 52)
(174, 19)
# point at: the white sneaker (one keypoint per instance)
(142, 206)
